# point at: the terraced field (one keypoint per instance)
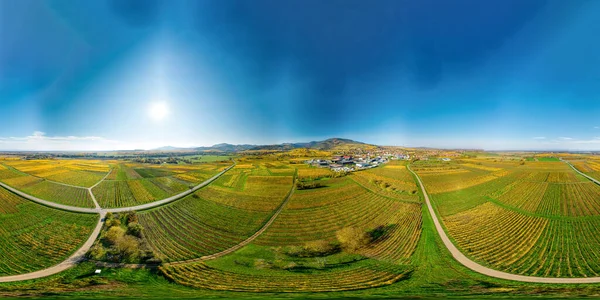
(34, 237)
(216, 217)
(538, 219)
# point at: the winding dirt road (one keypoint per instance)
(74, 259)
(79, 255)
(464, 260)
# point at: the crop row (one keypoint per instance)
(317, 215)
(62, 194)
(200, 275)
(259, 193)
(34, 237)
(441, 183)
(528, 245)
(194, 227)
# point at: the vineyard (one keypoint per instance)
(591, 167)
(391, 180)
(136, 184)
(358, 276)
(216, 217)
(539, 218)
(317, 214)
(34, 237)
(84, 173)
(62, 194)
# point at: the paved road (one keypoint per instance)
(582, 174)
(74, 259)
(461, 258)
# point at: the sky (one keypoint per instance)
(140, 74)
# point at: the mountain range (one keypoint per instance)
(328, 144)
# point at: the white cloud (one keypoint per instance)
(539, 138)
(565, 138)
(39, 141)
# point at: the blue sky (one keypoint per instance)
(84, 75)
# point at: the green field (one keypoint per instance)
(33, 237)
(216, 217)
(131, 185)
(538, 219)
(533, 218)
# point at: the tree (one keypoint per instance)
(97, 252)
(114, 234)
(132, 217)
(128, 247)
(352, 239)
(135, 229)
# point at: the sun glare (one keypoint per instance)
(158, 111)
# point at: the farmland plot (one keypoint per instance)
(34, 237)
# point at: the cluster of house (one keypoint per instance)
(349, 163)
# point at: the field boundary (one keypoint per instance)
(249, 239)
(74, 259)
(79, 255)
(582, 174)
(467, 262)
(122, 209)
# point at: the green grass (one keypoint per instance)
(209, 158)
(548, 159)
(153, 172)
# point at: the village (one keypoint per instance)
(351, 163)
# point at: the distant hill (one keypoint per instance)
(226, 148)
(329, 144)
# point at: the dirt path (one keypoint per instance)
(248, 240)
(74, 259)
(122, 209)
(79, 255)
(93, 186)
(170, 199)
(464, 260)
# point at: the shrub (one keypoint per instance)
(97, 252)
(112, 223)
(308, 185)
(131, 217)
(352, 239)
(114, 234)
(128, 247)
(320, 248)
(135, 229)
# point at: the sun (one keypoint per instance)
(158, 111)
